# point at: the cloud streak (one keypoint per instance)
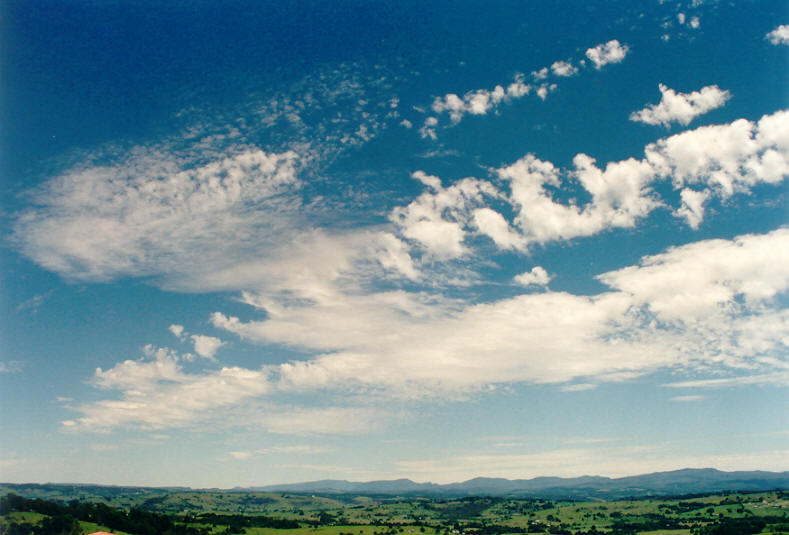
(482, 101)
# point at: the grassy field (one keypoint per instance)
(386, 515)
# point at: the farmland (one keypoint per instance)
(266, 513)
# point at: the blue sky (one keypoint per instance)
(251, 243)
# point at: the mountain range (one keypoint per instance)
(677, 482)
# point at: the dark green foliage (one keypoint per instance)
(733, 526)
(62, 519)
(55, 525)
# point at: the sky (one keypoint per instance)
(247, 243)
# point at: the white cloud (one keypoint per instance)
(779, 36)
(542, 74)
(206, 346)
(578, 387)
(702, 164)
(563, 68)
(537, 276)
(692, 208)
(681, 107)
(719, 287)
(177, 330)
(429, 128)
(238, 222)
(296, 448)
(156, 393)
(299, 449)
(620, 196)
(605, 53)
(721, 314)
(687, 399)
(492, 224)
(480, 101)
(436, 219)
(708, 277)
(544, 89)
(725, 158)
(694, 23)
(152, 215)
(778, 379)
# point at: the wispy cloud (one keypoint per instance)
(574, 462)
(578, 387)
(778, 379)
(11, 366)
(687, 399)
(297, 449)
(32, 305)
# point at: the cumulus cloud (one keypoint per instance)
(620, 196)
(480, 101)
(234, 222)
(725, 158)
(436, 219)
(692, 209)
(702, 164)
(492, 224)
(704, 275)
(537, 276)
(206, 346)
(563, 68)
(681, 107)
(605, 53)
(177, 330)
(779, 36)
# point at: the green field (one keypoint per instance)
(196, 512)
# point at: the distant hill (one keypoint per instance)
(677, 482)
(659, 484)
